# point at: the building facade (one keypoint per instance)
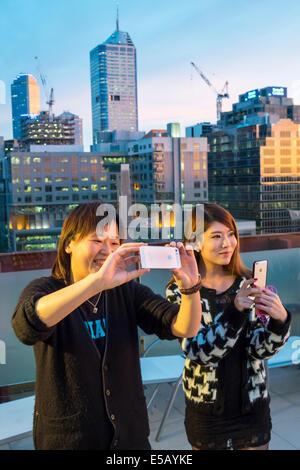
(269, 103)
(254, 172)
(65, 129)
(167, 169)
(25, 100)
(43, 187)
(114, 85)
(201, 129)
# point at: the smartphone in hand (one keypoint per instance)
(159, 257)
(260, 274)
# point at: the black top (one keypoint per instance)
(230, 427)
(74, 386)
(95, 324)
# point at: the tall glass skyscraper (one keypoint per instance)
(114, 85)
(25, 99)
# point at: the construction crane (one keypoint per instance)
(49, 97)
(220, 95)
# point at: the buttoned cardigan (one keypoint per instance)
(70, 376)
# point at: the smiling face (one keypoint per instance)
(219, 244)
(89, 253)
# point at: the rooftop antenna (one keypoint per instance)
(117, 17)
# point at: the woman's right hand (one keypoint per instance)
(242, 299)
(113, 271)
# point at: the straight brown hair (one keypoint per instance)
(79, 223)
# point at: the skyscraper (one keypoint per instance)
(25, 99)
(114, 85)
(254, 160)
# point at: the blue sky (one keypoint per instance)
(250, 43)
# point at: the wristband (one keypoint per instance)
(192, 290)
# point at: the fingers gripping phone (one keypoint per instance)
(159, 257)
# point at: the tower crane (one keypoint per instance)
(49, 97)
(220, 95)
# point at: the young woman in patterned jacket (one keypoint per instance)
(224, 379)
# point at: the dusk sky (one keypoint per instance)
(250, 43)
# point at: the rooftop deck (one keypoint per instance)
(285, 412)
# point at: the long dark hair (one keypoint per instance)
(79, 223)
(216, 213)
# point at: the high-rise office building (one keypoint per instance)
(270, 102)
(167, 169)
(44, 186)
(114, 85)
(25, 99)
(254, 160)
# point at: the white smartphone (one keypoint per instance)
(260, 273)
(159, 257)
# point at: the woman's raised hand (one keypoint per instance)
(113, 271)
(187, 276)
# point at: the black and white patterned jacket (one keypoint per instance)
(219, 332)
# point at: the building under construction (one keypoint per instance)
(65, 129)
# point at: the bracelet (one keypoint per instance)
(192, 290)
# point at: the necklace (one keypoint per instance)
(95, 308)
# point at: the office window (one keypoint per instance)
(285, 134)
(269, 161)
(269, 151)
(285, 169)
(285, 152)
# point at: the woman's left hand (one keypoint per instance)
(187, 276)
(270, 303)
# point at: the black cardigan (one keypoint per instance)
(68, 381)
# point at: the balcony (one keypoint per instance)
(18, 372)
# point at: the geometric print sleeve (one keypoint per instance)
(264, 342)
(217, 337)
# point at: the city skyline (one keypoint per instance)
(252, 45)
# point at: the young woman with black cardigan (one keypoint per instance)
(83, 324)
